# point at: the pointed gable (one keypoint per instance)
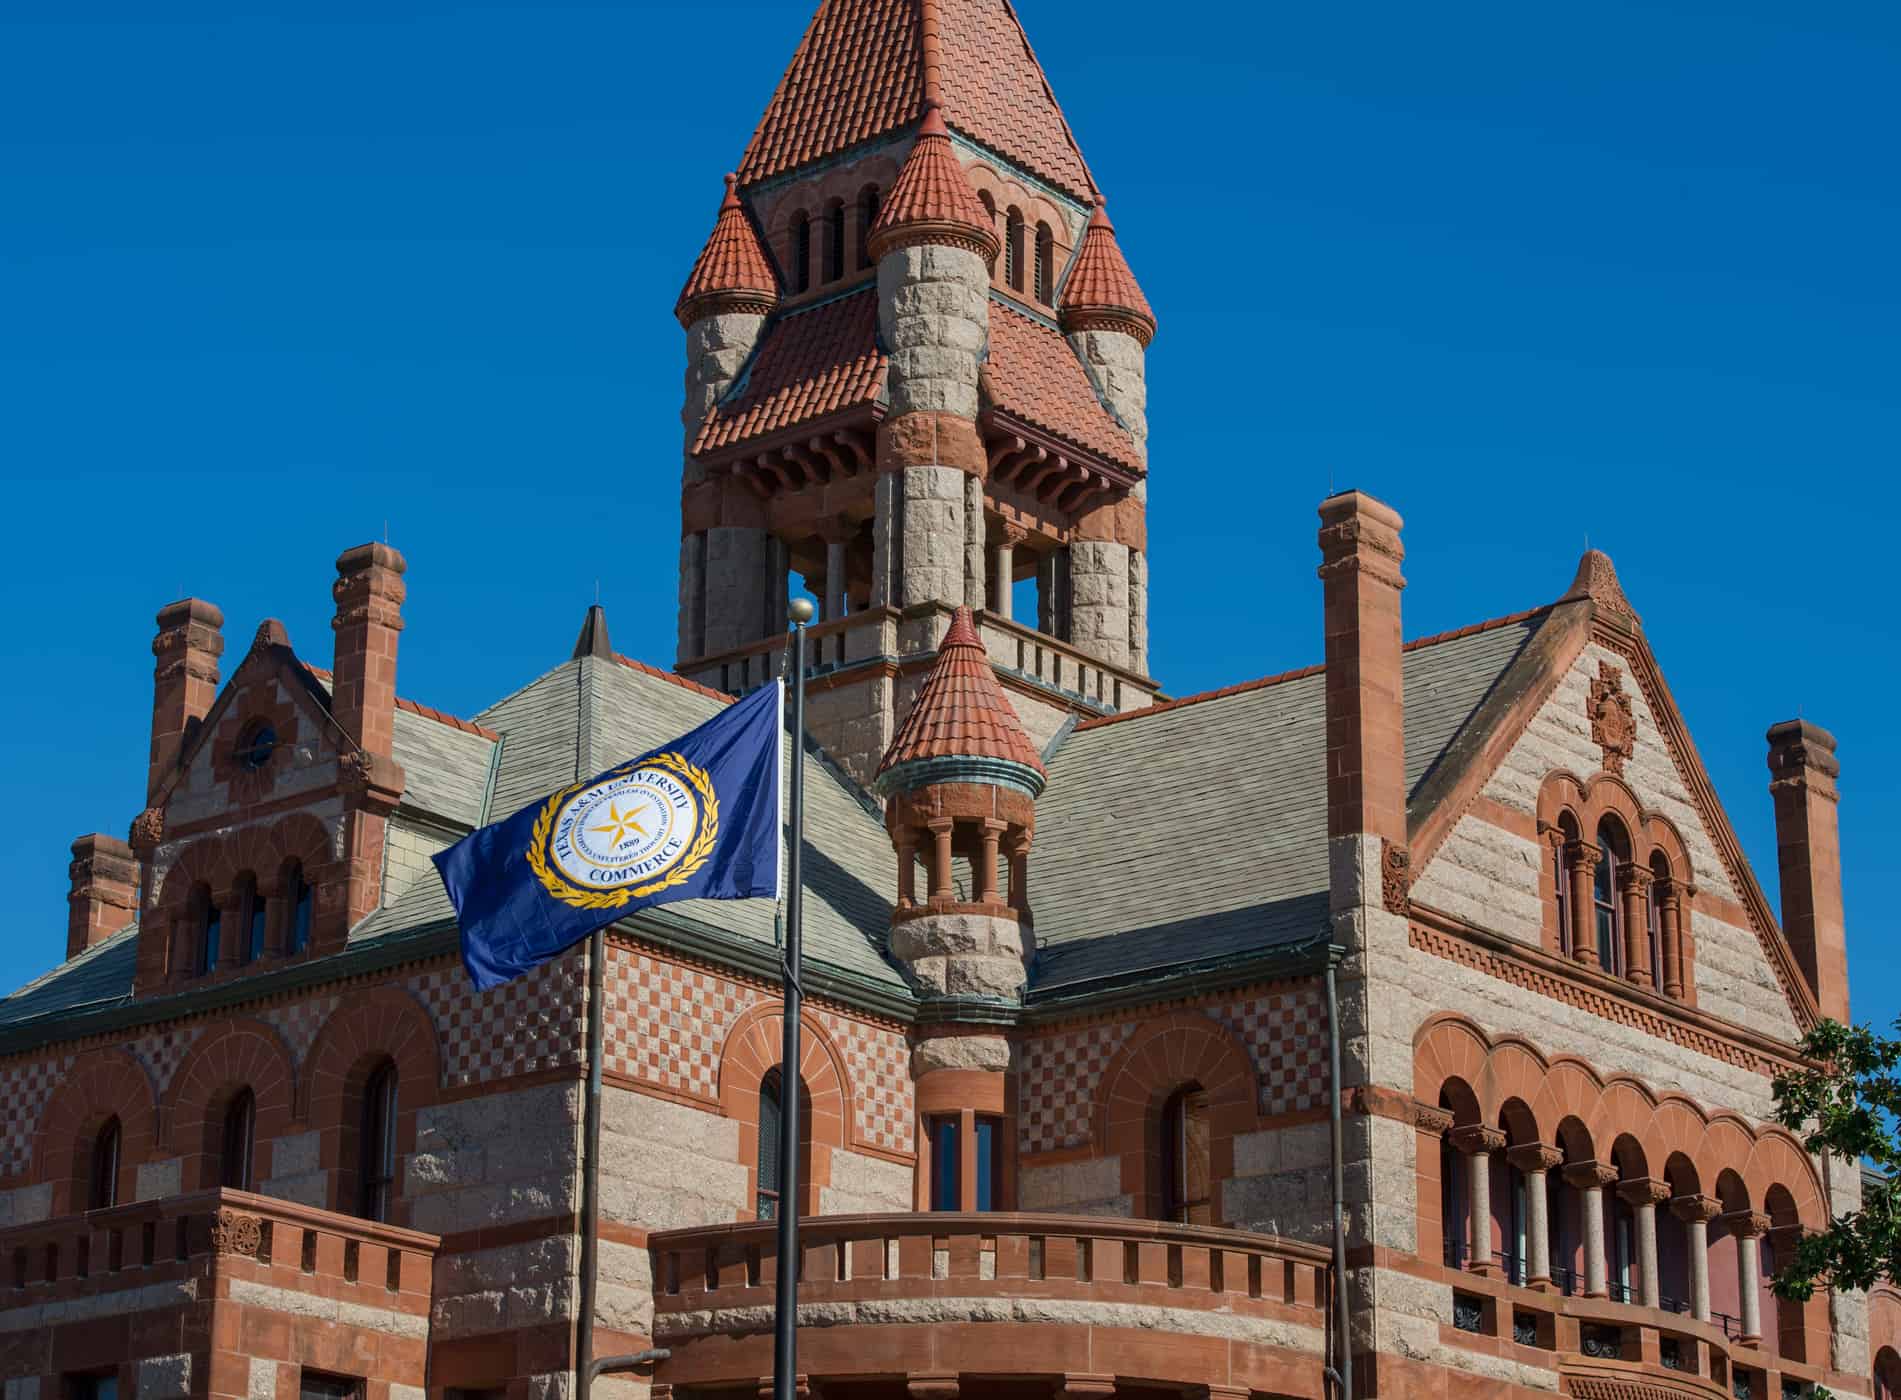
(859, 73)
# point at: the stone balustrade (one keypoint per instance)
(1040, 1297)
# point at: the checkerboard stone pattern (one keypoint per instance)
(670, 1024)
(162, 1051)
(299, 1023)
(1284, 1030)
(24, 1088)
(532, 1023)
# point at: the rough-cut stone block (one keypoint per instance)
(1071, 1187)
(865, 1184)
(156, 1180)
(165, 1377)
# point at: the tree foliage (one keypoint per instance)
(1847, 1106)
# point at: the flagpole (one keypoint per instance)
(591, 1173)
(785, 1338)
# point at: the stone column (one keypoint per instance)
(1803, 770)
(941, 886)
(1645, 1194)
(1590, 1179)
(1633, 887)
(1478, 1143)
(1018, 849)
(907, 868)
(1099, 599)
(1139, 612)
(1003, 576)
(1582, 858)
(1535, 1161)
(836, 602)
(1696, 1212)
(692, 639)
(184, 679)
(1669, 898)
(986, 891)
(737, 573)
(1749, 1227)
(976, 545)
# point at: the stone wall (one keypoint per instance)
(933, 318)
(737, 586)
(717, 348)
(1489, 877)
(1099, 599)
(406, 852)
(1118, 367)
(931, 517)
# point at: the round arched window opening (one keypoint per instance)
(256, 745)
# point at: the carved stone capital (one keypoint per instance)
(1582, 855)
(1745, 1224)
(1631, 876)
(233, 1232)
(1694, 1209)
(1396, 879)
(1011, 535)
(1476, 1137)
(1644, 1191)
(1588, 1176)
(1532, 1158)
(148, 829)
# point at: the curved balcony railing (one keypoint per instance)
(998, 1295)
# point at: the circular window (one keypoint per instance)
(256, 745)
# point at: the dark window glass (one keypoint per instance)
(376, 1173)
(313, 1386)
(256, 911)
(1187, 1192)
(105, 1387)
(299, 911)
(257, 746)
(989, 1163)
(1013, 252)
(209, 934)
(103, 1187)
(1451, 1204)
(1653, 928)
(771, 1118)
(801, 253)
(1563, 868)
(240, 1132)
(1045, 254)
(946, 1154)
(1610, 923)
(835, 242)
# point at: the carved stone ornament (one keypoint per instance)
(1597, 580)
(1613, 727)
(233, 1232)
(1396, 880)
(148, 829)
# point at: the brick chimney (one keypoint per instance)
(1803, 770)
(1360, 555)
(105, 893)
(369, 593)
(184, 682)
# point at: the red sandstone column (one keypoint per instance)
(1583, 857)
(105, 891)
(1808, 852)
(185, 680)
(1633, 881)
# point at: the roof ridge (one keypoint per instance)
(631, 664)
(1303, 672)
(416, 707)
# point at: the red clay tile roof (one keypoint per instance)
(961, 711)
(732, 273)
(810, 363)
(1035, 375)
(1100, 290)
(859, 73)
(672, 679)
(932, 199)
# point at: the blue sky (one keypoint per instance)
(276, 277)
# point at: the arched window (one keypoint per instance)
(103, 1185)
(240, 1133)
(253, 911)
(867, 216)
(1045, 255)
(1613, 850)
(210, 931)
(1187, 1184)
(771, 1120)
(1567, 916)
(835, 240)
(1013, 251)
(801, 252)
(1659, 874)
(297, 896)
(376, 1147)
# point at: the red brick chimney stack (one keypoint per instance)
(185, 680)
(369, 593)
(1803, 770)
(1360, 554)
(105, 893)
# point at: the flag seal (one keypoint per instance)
(634, 831)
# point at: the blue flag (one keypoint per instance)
(694, 819)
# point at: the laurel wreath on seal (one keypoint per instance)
(696, 854)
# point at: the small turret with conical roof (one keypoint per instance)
(1101, 293)
(961, 780)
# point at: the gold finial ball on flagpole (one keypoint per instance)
(802, 610)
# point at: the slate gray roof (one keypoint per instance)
(1187, 835)
(1199, 831)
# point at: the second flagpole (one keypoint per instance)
(785, 1337)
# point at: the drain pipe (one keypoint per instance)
(607, 1364)
(1343, 1373)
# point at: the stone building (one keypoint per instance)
(1068, 1068)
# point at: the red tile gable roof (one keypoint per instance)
(960, 710)
(1035, 375)
(859, 73)
(732, 273)
(809, 364)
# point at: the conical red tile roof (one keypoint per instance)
(932, 200)
(865, 66)
(961, 711)
(1101, 292)
(733, 273)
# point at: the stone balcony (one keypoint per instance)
(1605, 1350)
(214, 1293)
(1049, 1302)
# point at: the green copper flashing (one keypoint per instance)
(959, 768)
